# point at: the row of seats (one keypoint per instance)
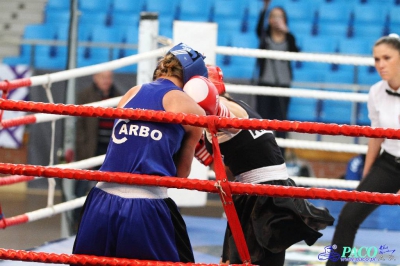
(328, 111)
(348, 11)
(342, 30)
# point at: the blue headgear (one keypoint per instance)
(192, 61)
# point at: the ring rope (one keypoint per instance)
(41, 118)
(118, 63)
(98, 160)
(296, 56)
(296, 92)
(201, 121)
(83, 71)
(201, 185)
(21, 255)
(225, 193)
(76, 203)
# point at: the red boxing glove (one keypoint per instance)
(216, 76)
(223, 110)
(204, 93)
(201, 153)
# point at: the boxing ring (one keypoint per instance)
(309, 188)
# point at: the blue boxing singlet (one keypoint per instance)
(144, 147)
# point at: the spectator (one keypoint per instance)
(136, 221)
(92, 137)
(381, 169)
(271, 72)
(93, 134)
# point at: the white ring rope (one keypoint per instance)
(90, 70)
(294, 92)
(112, 102)
(55, 209)
(322, 146)
(292, 56)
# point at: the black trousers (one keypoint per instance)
(384, 177)
(273, 107)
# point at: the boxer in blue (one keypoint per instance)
(141, 222)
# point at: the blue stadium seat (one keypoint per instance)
(303, 27)
(319, 44)
(311, 66)
(305, 75)
(96, 54)
(107, 34)
(394, 14)
(50, 57)
(129, 35)
(361, 30)
(87, 57)
(394, 19)
(24, 57)
(362, 114)
(57, 4)
(336, 12)
(165, 26)
(125, 19)
(120, 53)
(53, 17)
(190, 10)
(228, 9)
(231, 25)
(303, 109)
(62, 32)
(224, 38)
(95, 5)
(384, 2)
(15, 60)
(163, 8)
(240, 67)
(299, 11)
(126, 6)
(345, 77)
(356, 46)
(245, 40)
(394, 27)
(254, 9)
(40, 31)
(368, 14)
(367, 75)
(93, 18)
(336, 111)
(336, 29)
(281, 3)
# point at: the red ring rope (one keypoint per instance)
(201, 121)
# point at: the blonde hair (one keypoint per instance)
(168, 66)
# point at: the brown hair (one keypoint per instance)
(392, 40)
(168, 66)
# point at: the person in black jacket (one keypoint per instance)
(274, 73)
